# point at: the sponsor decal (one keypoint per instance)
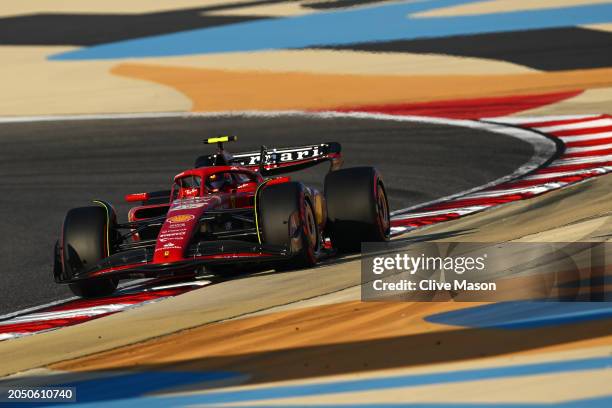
(189, 203)
(173, 234)
(166, 247)
(162, 240)
(183, 218)
(283, 156)
(186, 206)
(191, 191)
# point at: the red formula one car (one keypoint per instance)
(227, 213)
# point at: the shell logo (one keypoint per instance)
(181, 218)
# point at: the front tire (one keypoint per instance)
(357, 208)
(87, 238)
(287, 219)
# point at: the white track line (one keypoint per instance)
(581, 160)
(579, 125)
(7, 336)
(70, 313)
(590, 136)
(600, 170)
(520, 190)
(458, 210)
(139, 284)
(109, 116)
(35, 308)
(520, 120)
(200, 283)
(588, 148)
(131, 285)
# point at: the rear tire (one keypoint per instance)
(280, 206)
(87, 238)
(357, 208)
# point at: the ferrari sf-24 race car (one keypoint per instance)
(229, 212)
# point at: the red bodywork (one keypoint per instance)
(187, 206)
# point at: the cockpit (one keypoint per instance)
(220, 182)
(190, 186)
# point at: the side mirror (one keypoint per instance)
(131, 198)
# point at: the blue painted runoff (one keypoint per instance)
(525, 314)
(376, 23)
(115, 397)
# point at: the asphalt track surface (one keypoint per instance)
(48, 167)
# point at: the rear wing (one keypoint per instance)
(272, 161)
(287, 159)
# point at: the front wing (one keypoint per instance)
(137, 263)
